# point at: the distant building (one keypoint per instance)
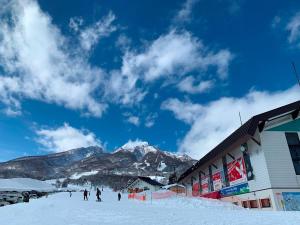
(143, 184)
(178, 188)
(257, 166)
(173, 178)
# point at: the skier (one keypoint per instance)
(119, 196)
(70, 194)
(98, 193)
(85, 195)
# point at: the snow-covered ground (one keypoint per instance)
(60, 209)
(25, 184)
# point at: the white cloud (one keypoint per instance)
(185, 111)
(65, 138)
(189, 85)
(170, 56)
(150, 120)
(123, 42)
(184, 14)
(75, 23)
(175, 53)
(212, 122)
(293, 27)
(38, 63)
(134, 120)
(91, 35)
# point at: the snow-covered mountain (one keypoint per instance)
(132, 159)
(45, 166)
(142, 148)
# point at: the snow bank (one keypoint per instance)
(25, 184)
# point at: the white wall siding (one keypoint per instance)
(278, 159)
(142, 184)
(261, 176)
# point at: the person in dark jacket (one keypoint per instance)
(85, 195)
(98, 193)
(26, 197)
(119, 196)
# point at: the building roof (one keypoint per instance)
(147, 180)
(150, 181)
(172, 185)
(244, 132)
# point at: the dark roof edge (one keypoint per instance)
(150, 181)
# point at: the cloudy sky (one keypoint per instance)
(173, 73)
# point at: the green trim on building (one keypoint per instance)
(290, 126)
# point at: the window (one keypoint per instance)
(245, 204)
(294, 146)
(253, 204)
(265, 203)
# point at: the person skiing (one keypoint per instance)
(119, 196)
(85, 195)
(98, 193)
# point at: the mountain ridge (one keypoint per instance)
(131, 159)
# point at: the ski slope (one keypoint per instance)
(60, 209)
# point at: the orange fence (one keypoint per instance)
(153, 195)
(162, 195)
(137, 196)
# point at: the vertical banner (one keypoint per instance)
(236, 171)
(195, 190)
(217, 180)
(204, 185)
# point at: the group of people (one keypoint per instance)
(98, 194)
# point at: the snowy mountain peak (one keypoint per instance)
(139, 148)
(133, 144)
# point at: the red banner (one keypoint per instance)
(236, 171)
(204, 185)
(195, 191)
(217, 181)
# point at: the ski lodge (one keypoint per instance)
(257, 166)
(143, 184)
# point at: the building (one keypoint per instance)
(257, 166)
(178, 188)
(143, 184)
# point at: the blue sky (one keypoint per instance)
(173, 73)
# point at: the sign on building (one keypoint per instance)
(237, 172)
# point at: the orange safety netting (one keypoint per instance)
(161, 195)
(137, 196)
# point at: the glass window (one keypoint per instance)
(253, 204)
(294, 146)
(265, 203)
(245, 204)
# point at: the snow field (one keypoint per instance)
(60, 209)
(25, 184)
